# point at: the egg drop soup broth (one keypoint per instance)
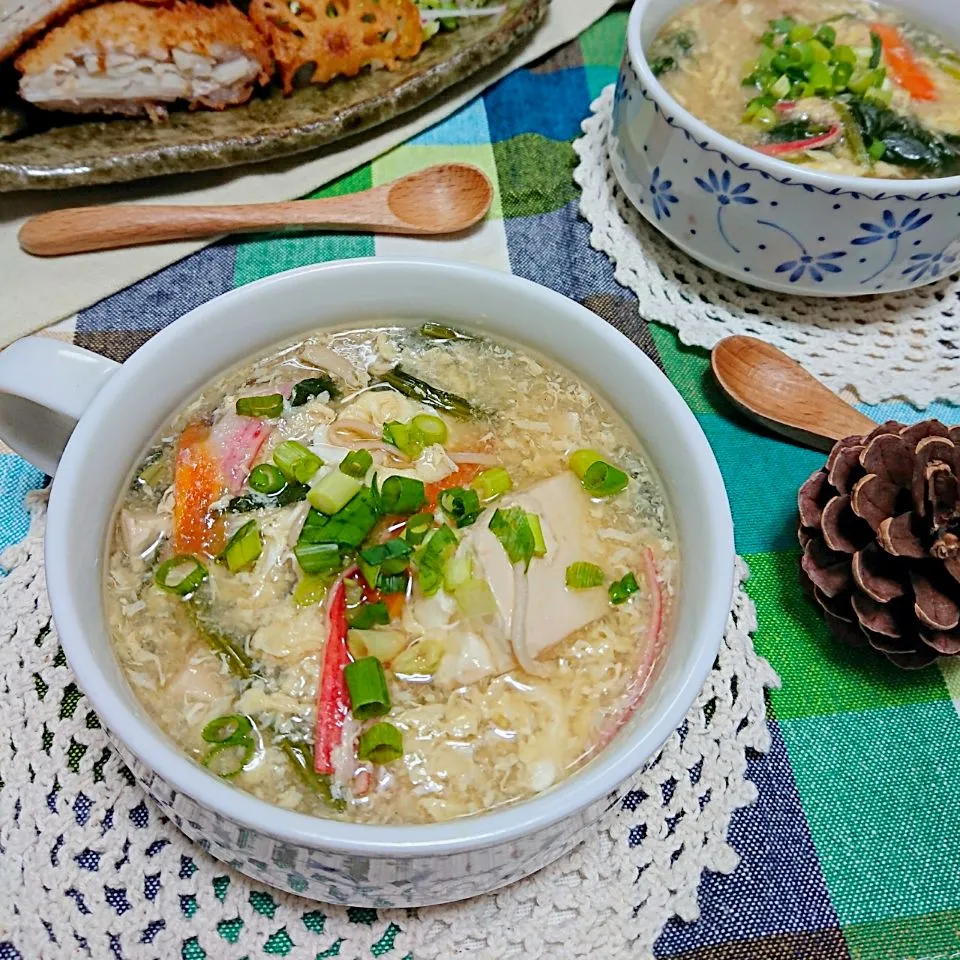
(838, 86)
(226, 604)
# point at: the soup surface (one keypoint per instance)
(392, 575)
(837, 85)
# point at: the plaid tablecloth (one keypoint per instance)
(853, 849)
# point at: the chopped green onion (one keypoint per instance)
(821, 53)
(429, 429)
(604, 480)
(821, 78)
(844, 54)
(876, 49)
(582, 576)
(402, 495)
(401, 435)
(458, 570)
(492, 483)
(623, 589)
(877, 149)
(827, 35)
(312, 387)
(475, 599)
(842, 73)
(417, 528)
(181, 575)
(864, 80)
(391, 550)
(512, 529)
(349, 527)
(431, 559)
(392, 583)
(243, 547)
(356, 464)
(368, 572)
(229, 729)
(332, 493)
(367, 688)
(437, 331)
(369, 615)
(581, 460)
(781, 87)
(539, 544)
(877, 95)
(764, 117)
(311, 589)
(783, 25)
(229, 759)
(270, 405)
(296, 462)
(266, 478)
(462, 506)
(420, 390)
(802, 53)
(318, 557)
(385, 645)
(382, 743)
(800, 32)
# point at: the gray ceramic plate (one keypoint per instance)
(80, 153)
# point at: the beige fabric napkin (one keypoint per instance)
(36, 292)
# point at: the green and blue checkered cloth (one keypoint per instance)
(853, 848)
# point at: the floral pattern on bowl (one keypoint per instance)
(783, 233)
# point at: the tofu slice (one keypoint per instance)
(553, 612)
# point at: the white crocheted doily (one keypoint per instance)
(89, 867)
(900, 345)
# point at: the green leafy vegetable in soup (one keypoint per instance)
(842, 86)
(392, 575)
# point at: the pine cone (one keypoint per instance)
(880, 531)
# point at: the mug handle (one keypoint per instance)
(45, 386)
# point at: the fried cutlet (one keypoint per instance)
(21, 20)
(127, 58)
(317, 40)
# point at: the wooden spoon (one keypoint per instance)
(446, 198)
(771, 388)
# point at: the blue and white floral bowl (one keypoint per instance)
(766, 222)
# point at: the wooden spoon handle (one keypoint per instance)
(774, 390)
(82, 229)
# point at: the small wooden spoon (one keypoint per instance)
(769, 387)
(446, 198)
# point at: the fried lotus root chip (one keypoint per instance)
(317, 40)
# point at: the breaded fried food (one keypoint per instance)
(21, 20)
(317, 40)
(127, 58)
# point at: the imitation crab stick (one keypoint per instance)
(333, 705)
(906, 69)
(236, 441)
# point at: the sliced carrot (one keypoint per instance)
(395, 603)
(460, 478)
(906, 69)
(197, 486)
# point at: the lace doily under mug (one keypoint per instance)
(901, 345)
(90, 867)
